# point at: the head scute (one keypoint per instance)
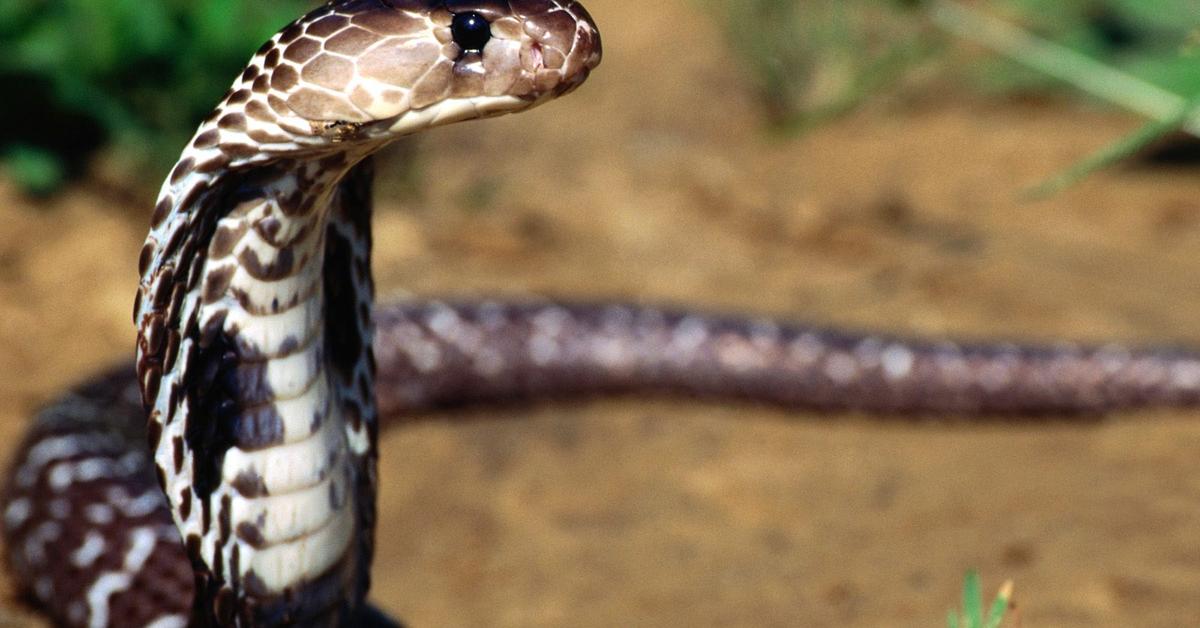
(365, 72)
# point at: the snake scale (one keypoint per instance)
(262, 370)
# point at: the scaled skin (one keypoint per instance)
(254, 309)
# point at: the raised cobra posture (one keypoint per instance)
(256, 376)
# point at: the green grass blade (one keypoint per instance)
(1000, 606)
(973, 600)
(1113, 153)
(1063, 63)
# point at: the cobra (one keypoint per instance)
(256, 373)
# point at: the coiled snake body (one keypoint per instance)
(259, 356)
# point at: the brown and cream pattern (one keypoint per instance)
(256, 375)
(254, 307)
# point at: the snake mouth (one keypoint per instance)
(456, 110)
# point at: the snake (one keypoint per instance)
(228, 476)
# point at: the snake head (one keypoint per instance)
(378, 69)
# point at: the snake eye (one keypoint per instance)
(471, 31)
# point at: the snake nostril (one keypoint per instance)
(537, 56)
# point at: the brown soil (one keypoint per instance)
(656, 183)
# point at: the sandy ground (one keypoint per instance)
(655, 183)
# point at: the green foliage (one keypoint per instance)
(810, 60)
(972, 613)
(815, 59)
(39, 171)
(135, 72)
(1114, 51)
(1146, 39)
(1115, 152)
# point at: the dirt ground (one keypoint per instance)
(656, 183)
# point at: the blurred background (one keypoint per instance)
(1017, 169)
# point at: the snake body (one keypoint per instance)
(83, 482)
(254, 312)
(262, 371)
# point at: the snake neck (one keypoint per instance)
(258, 378)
